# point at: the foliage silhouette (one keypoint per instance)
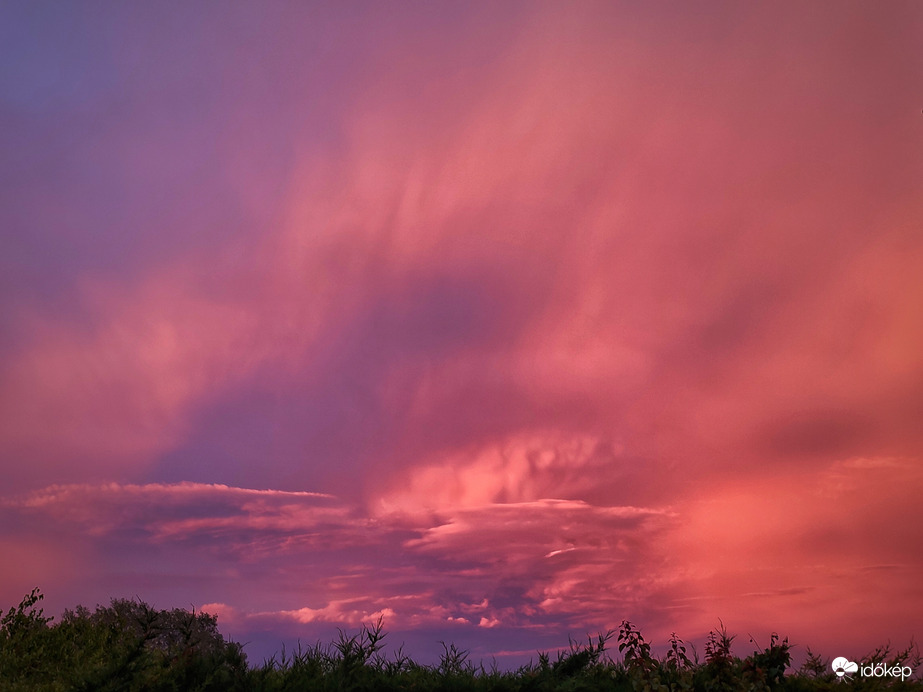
(126, 646)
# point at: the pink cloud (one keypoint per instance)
(754, 548)
(629, 321)
(116, 391)
(524, 468)
(186, 511)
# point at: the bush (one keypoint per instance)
(126, 646)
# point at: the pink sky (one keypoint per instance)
(505, 322)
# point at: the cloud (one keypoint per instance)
(488, 560)
(553, 244)
(564, 312)
(182, 511)
(543, 563)
(522, 468)
(751, 543)
(116, 392)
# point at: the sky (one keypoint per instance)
(503, 322)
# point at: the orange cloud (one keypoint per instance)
(827, 548)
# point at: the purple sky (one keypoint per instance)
(504, 321)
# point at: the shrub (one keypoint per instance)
(126, 646)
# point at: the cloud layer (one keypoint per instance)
(526, 319)
(549, 565)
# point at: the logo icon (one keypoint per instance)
(841, 666)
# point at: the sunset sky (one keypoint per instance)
(502, 321)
